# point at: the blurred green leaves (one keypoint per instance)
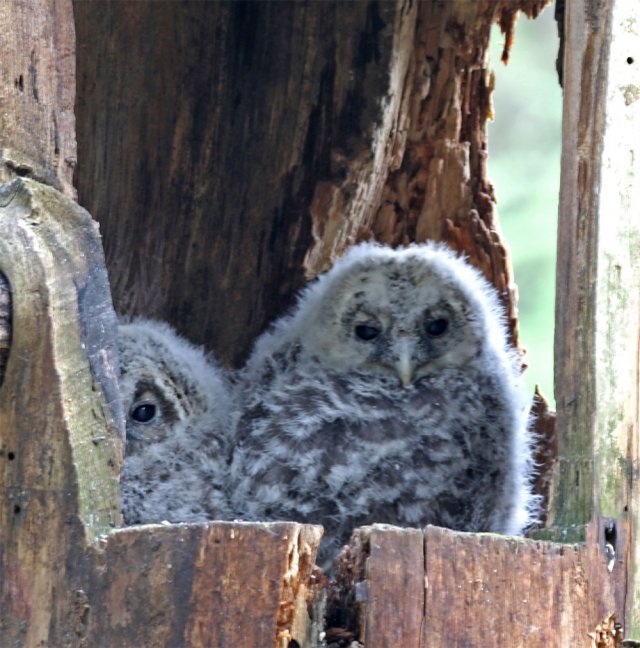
(524, 167)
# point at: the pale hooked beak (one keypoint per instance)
(404, 366)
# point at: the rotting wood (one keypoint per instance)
(615, 328)
(216, 584)
(63, 583)
(439, 189)
(58, 487)
(607, 634)
(311, 89)
(546, 450)
(37, 122)
(462, 589)
(365, 120)
(598, 281)
(341, 167)
(589, 580)
(63, 323)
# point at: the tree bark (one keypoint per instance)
(37, 122)
(61, 421)
(238, 148)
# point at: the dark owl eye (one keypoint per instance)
(437, 327)
(366, 332)
(144, 413)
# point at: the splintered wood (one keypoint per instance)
(607, 634)
(217, 584)
(364, 121)
(367, 120)
(442, 588)
(546, 451)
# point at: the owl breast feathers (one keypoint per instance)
(178, 406)
(389, 394)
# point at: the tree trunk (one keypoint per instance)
(232, 150)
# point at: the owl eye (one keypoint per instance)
(437, 327)
(144, 413)
(366, 332)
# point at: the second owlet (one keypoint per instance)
(178, 407)
(389, 395)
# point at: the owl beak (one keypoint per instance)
(404, 366)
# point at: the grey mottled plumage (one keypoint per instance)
(388, 395)
(178, 409)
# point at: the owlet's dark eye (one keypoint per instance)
(144, 413)
(437, 327)
(366, 332)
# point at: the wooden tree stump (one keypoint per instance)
(441, 588)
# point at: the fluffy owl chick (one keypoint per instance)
(178, 407)
(388, 395)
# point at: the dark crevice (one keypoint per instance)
(5, 324)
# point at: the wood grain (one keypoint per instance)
(465, 590)
(615, 198)
(217, 584)
(584, 78)
(546, 451)
(37, 65)
(280, 134)
(61, 419)
(260, 138)
(62, 582)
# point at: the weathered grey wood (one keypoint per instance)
(61, 420)
(60, 448)
(584, 74)
(598, 287)
(616, 332)
(37, 91)
(63, 352)
(195, 585)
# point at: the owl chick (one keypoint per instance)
(178, 406)
(388, 395)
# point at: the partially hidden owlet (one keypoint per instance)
(389, 394)
(178, 407)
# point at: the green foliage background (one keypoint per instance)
(524, 167)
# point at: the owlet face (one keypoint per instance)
(166, 384)
(405, 317)
(151, 411)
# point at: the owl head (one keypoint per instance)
(167, 385)
(405, 313)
